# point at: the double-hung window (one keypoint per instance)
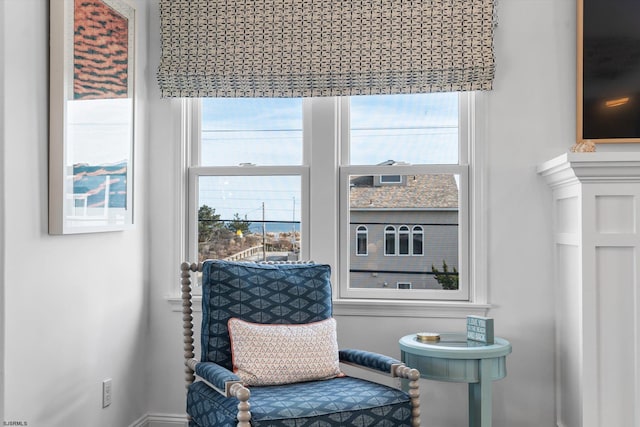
(248, 185)
(377, 186)
(404, 175)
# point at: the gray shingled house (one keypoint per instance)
(401, 225)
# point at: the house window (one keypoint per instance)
(376, 172)
(417, 240)
(403, 285)
(403, 240)
(362, 238)
(390, 240)
(390, 179)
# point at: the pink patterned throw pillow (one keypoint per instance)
(284, 354)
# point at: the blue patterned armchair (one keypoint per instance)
(280, 294)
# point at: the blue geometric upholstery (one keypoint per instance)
(345, 401)
(283, 294)
(367, 359)
(259, 293)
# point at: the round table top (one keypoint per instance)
(455, 346)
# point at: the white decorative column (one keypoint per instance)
(596, 213)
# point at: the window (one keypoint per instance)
(417, 240)
(404, 175)
(391, 179)
(403, 240)
(362, 240)
(377, 186)
(389, 240)
(246, 180)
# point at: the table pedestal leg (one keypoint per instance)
(480, 397)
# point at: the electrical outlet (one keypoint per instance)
(106, 392)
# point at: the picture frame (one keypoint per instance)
(91, 116)
(608, 71)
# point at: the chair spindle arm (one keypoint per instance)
(413, 375)
(187, 318)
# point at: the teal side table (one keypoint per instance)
(455, 359)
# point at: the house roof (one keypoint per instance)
(420, 191)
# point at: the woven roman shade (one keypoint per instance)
(304, 48)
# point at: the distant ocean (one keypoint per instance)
(90, 180)
(274, 227)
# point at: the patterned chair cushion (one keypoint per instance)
(342, 401)
(284, 354)
(259, 293)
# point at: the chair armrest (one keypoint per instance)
(371, 360)
(220, 378)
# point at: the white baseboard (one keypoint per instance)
(161, 420)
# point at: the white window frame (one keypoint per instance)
(386, 182)
(413, 234)
(399, 285)
(203, 171)
(466, 128)
(328, 243)
(407, 234)
(362, 229)
(195, 171)
(461, 294)
(390, 230)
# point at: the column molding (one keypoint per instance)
(596, 216)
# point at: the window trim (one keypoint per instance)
(464, 293)
(407, 233)
(362, 229)
(385, 182)
(473, 123)
(195, 172)
(390, 230)
(413, 234)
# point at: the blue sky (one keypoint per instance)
(99, 131)
(412, 128)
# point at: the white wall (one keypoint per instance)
(76, 306)
(2, 157)
(531, 118)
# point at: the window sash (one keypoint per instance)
(336, 253)
(403, 241)
(461, 294)
(362, 241)
(417, 241)
(390, 241)
(196, 172)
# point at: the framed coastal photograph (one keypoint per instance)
(608, 78)
(91, 123)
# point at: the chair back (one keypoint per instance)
(259, 293)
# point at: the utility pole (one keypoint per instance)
(264, 236)
(293, 222)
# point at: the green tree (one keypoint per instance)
(208, 222)
(448, 280)
(238, 224)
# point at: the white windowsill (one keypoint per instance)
(382, 308)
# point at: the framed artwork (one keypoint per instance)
(91, 123)
(608, 89)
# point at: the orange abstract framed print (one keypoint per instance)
(91, 133)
